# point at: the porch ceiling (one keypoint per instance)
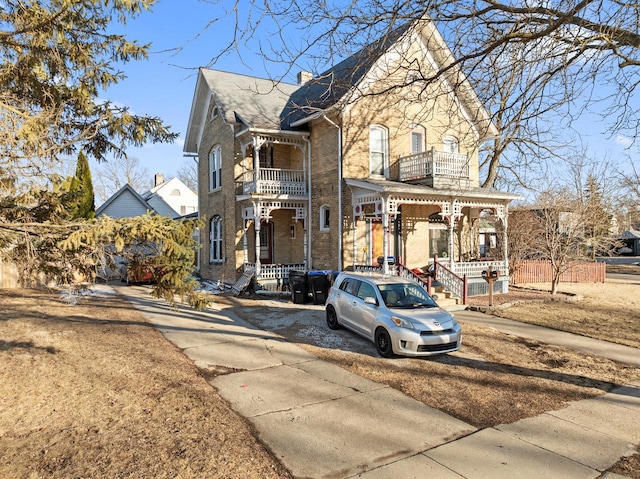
(365, 189)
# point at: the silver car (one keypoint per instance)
(395, 313)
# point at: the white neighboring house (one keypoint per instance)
(170, 198)
(167, 198)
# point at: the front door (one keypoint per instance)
(266, 242)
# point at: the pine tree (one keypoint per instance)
(80, 189)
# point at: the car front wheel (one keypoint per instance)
(383, 343)
(332, 318)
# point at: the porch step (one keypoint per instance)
(242, 283)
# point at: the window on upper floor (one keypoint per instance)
(378, 150)
(265, 156)
(325, 218)
(175, 192)
(215, 240)
(450, 144)
(417, 139)
(215, 168)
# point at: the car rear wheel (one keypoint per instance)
(383, 343)
(332, 318)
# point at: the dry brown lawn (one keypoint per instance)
(609, 311)
(93, 390)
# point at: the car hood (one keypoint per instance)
(431, 318)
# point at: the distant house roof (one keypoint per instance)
(630, 234)
(124, 203)
(127, 203)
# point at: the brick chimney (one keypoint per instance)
(158, 179)
(304, 77)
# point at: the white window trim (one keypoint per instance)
(325, 211)
(215, 164)
(385, 152)
(215, 222)
(420, 130)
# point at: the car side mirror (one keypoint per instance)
(434, 297)
(370, 300)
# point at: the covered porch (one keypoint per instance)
(399, 228)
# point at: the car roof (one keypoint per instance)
(377, 278)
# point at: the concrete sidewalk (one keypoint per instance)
(324, 422)
(605, 349)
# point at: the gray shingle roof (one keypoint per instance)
(254, 101)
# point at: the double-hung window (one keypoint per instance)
(215, 168)
(215, 240)
(417, 139)
(378, 150)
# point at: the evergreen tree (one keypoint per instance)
(80, 188)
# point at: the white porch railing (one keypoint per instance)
(275, 181)
(474, 269)
(434, 163)
(274, 271)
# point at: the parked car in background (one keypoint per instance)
(395, 313)
(137, 272)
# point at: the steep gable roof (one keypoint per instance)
(327, 89)
(266, 104)
(253, 101)
(124, 203)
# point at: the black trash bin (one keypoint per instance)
(319, 283)
(299, 287)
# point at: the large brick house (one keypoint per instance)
(364, 161)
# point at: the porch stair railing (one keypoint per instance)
(449, 280)
(397, 269)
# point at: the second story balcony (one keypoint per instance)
(275, 181)
(436, 169)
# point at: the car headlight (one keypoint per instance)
(454, 320)
(401, 322)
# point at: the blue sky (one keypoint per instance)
(163, 86)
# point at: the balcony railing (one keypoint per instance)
(434, 163)
(275, 181)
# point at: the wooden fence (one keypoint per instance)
(537, 271)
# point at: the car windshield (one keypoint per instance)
(405, 295)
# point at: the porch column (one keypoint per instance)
(354, 229)
(385, 235)
(256, 227)
(245, 241)
(505, 247)
(452, 223)
(256, 168)
(305, 250)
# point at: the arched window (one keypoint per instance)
(417, 139)
(215, 240)
(378, 150)
(325, 222)
(215, 168)
(175, 192)
(450, 144)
